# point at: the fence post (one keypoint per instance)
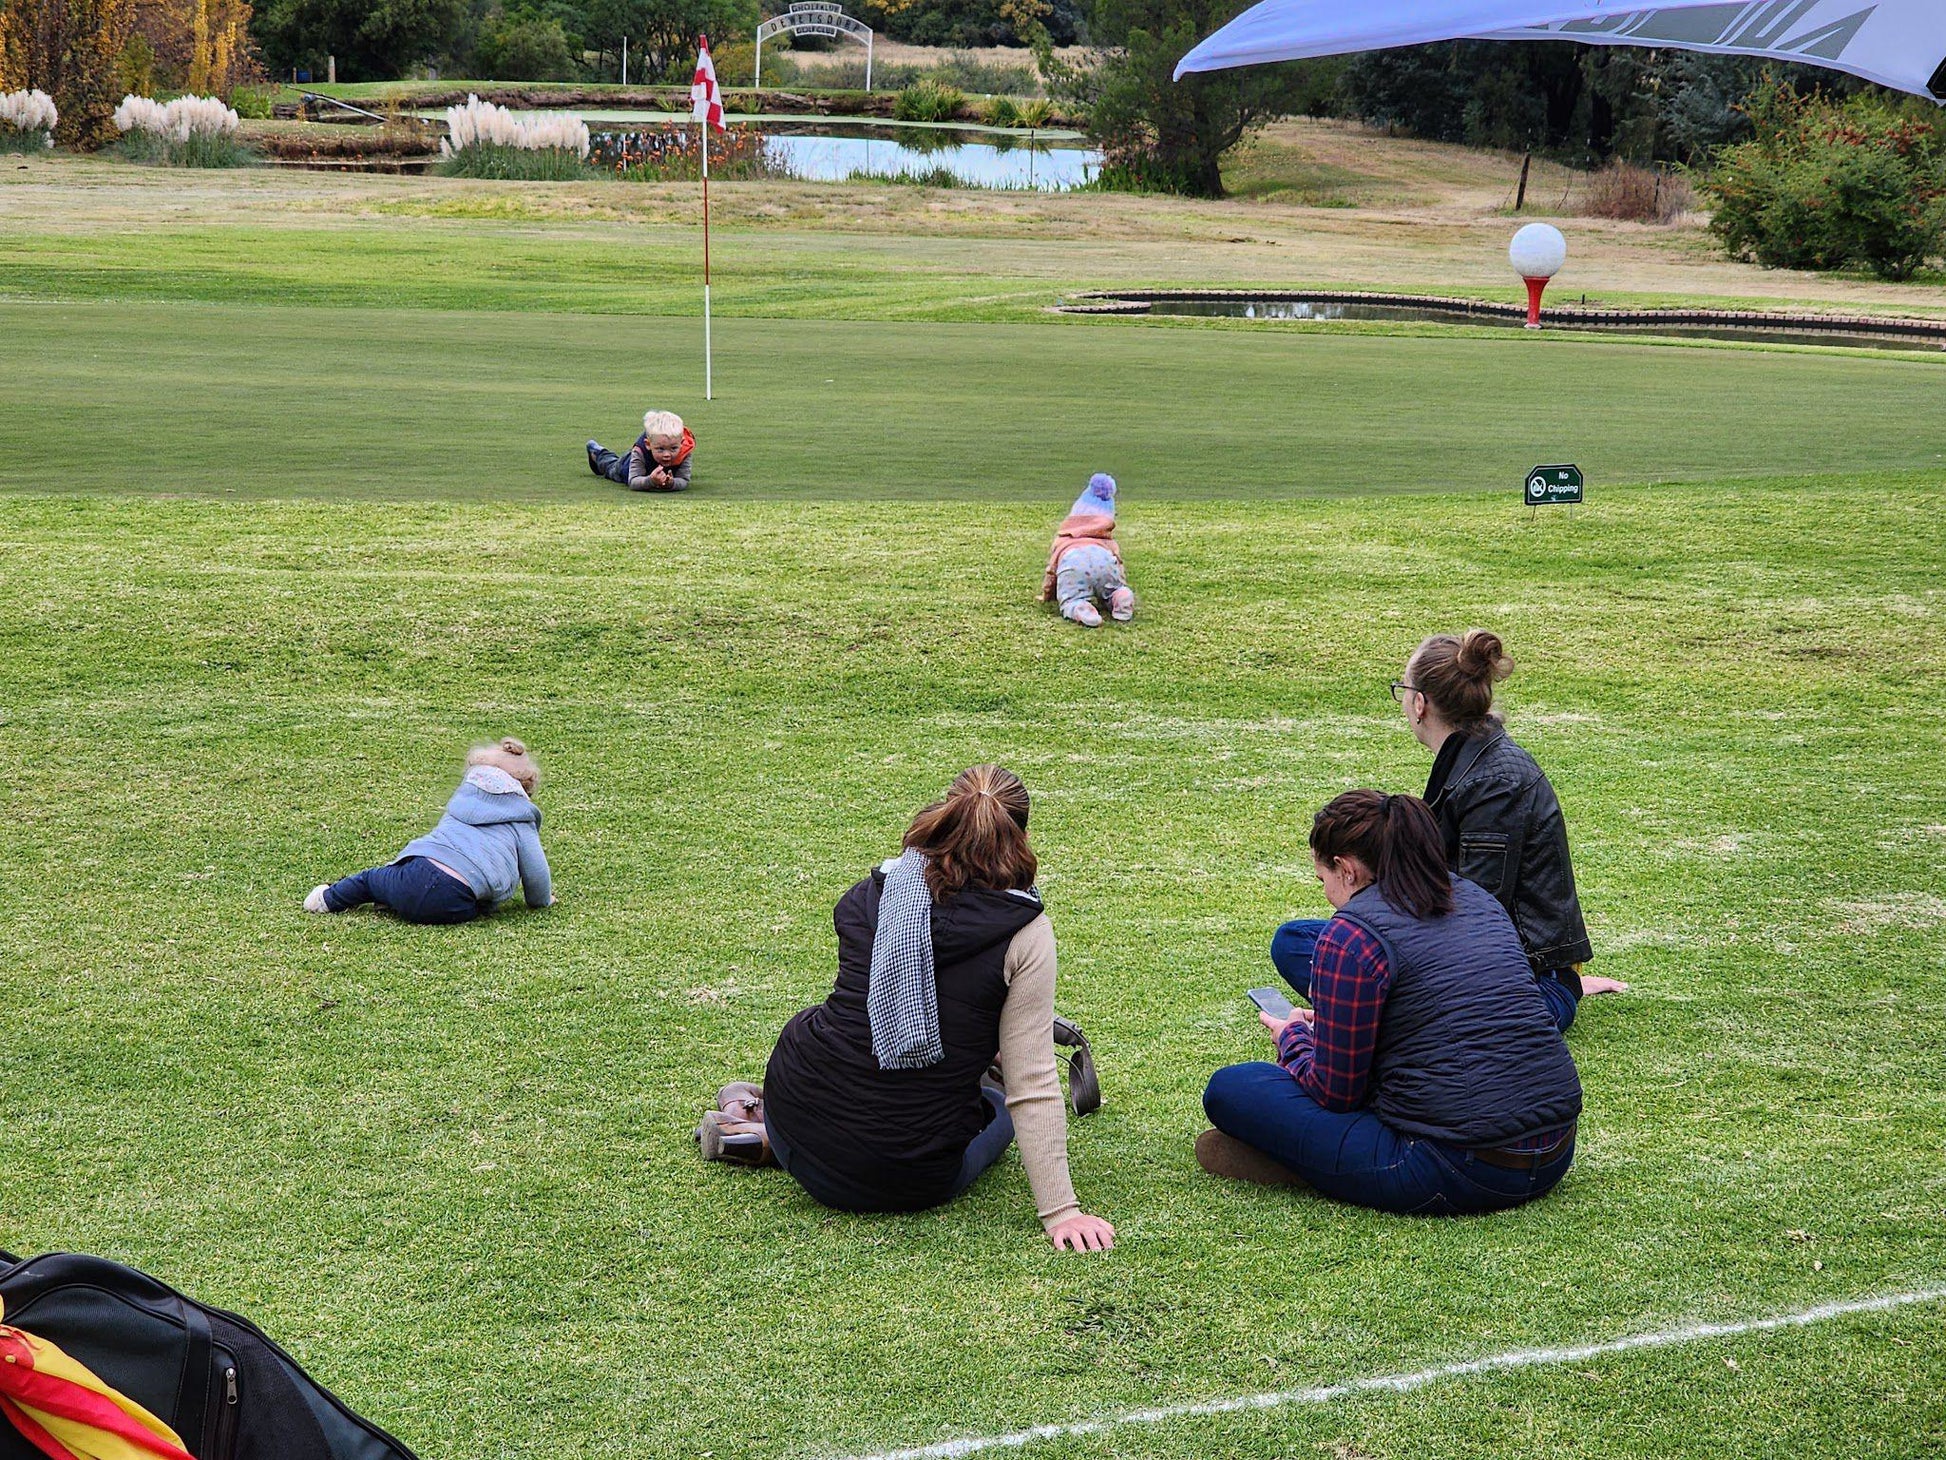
(331, 70)
(1520, 199)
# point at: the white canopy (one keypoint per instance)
(1897, 43)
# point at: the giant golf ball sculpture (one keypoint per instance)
(1537, 254)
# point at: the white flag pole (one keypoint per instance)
(708, 380)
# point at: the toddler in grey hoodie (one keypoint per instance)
(485, 848)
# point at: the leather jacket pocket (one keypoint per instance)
(1484, 858)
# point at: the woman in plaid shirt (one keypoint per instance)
(1429, 1075)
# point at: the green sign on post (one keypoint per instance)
(1548, 485)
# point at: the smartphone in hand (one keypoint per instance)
(1273, 1002)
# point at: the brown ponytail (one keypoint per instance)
(976, 836)
(1457, 675)
(1398, 839)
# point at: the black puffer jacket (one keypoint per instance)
(1503, 829)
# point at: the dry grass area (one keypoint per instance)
(1405, 215)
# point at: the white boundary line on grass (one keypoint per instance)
(1530, 1358)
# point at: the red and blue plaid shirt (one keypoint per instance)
(1331, 1060)
(1350, 978)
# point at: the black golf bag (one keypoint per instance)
(226, 1389)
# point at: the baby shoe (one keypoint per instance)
(1122, 605)
(1086, 614)
(314, 900)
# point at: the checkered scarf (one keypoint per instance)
(903, 999)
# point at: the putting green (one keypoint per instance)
(425, 403)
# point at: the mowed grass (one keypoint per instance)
(368, 403)
(271, 560)
(452, 1166)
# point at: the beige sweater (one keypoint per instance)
(1034, 1098)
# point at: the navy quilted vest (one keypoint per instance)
(1467, 1052)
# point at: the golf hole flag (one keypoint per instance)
(705, 101)
(68, 1412)
(1897, 43)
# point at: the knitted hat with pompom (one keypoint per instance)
(1098, 498)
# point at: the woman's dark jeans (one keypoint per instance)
(833, 1189)
(1358, 1158)
(1293, 945)
(416, 889)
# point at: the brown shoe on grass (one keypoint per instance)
(1236, 1160)
(742, 1100)
(739, 1142)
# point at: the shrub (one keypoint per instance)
(484, 140)
(524, 48)
(673, 154)
(27, 121)
(191, 131)
(497, 160)
(1000, 111)
(928, 101)
(1824, 185)
(1637, 194)
(1036, 111)
(932, 177)
(252, 103)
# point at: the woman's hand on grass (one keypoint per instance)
(1082, 1233)
(1277, 1026)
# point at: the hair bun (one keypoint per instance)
(1483, 657)
(515, 747)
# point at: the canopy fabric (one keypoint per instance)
(1897, 43)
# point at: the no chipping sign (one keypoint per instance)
(1548, 485)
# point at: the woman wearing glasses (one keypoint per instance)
(1497, 814)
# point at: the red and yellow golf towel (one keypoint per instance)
(67, 1412)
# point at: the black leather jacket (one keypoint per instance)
(1503, 829)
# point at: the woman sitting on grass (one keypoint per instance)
(485, 848)
(1498, 815)
(874, 1100)
(1428, 1076)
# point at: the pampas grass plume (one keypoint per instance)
(28, 112)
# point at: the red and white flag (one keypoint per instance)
(705, 101)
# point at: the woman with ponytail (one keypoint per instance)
(875, 1100)
(1428, 1076)
(1499, 819)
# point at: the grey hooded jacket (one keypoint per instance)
(491, 836)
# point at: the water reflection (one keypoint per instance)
(836, 153)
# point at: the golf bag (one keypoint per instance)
(226, 1389)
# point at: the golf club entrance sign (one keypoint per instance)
(814, 17)
(1549, 486)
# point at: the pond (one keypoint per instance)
(997, 160)
(820, 150)
(1758, 329)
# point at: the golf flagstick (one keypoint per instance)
(709, 391)
(706, 105)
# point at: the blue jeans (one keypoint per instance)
(832, 1189)
(415, 889)
(1292, 947)
(1358, 1158)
